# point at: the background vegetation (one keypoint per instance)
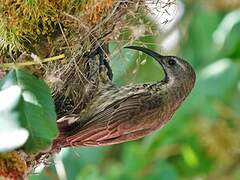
(202, 139)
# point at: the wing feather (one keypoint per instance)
(104, 125)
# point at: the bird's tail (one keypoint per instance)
(64, 129)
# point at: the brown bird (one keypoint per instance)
(119, 114)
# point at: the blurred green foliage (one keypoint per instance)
(202, 139)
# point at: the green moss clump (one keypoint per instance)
(12, 165)
(24, 22)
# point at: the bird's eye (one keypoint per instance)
(171, 62)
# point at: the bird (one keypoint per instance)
(120, 114)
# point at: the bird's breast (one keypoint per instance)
(166, 104)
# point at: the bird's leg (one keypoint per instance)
(104, 67)
(105, 70)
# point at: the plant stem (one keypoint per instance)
(29, 63)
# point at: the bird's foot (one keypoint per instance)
(105, 70)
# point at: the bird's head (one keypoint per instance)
(174, 68)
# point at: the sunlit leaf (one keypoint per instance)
(225, 27)
(32, 109)
(12, 135)
(216, 79)
(189, 156)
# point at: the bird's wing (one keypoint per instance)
(105, 125)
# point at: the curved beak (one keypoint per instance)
(149, 52)
(159, 58)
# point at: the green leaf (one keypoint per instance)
(33, 109)
(12, 135)
(225, 27)
(221, 75)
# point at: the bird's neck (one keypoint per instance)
(178, 89)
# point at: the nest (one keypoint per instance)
(73, 28)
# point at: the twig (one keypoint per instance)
(29, 63)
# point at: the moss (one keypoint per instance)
(24, 22)
(12, 165)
